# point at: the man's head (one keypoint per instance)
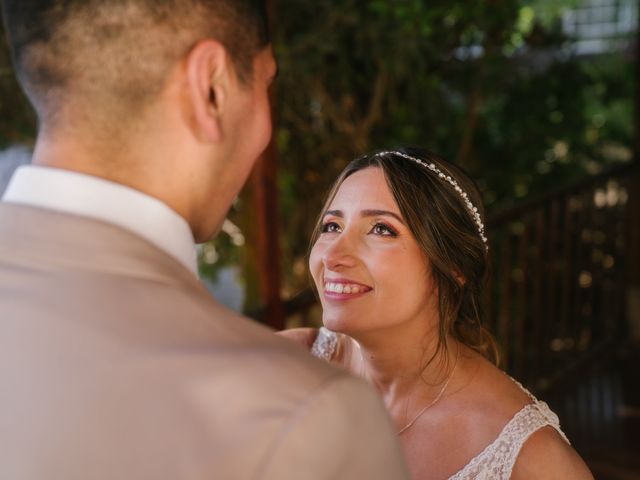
(166, 96)
(117, 54)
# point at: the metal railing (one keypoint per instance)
(557, 296)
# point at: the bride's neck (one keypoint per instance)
(394, 365)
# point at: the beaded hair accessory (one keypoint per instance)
(473, 210)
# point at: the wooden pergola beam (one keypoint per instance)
(265, 206)
(264, 183)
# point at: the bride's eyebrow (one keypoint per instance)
(366, 213)
(381, 213)
(333, 213)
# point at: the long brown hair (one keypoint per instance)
(442, 225)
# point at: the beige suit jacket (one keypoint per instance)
(115, 363)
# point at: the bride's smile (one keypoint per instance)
(343, 289)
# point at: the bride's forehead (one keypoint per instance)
(367, 186)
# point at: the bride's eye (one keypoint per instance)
(383, 230)
(330, 227)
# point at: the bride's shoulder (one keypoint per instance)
(302, 336)
(491, 393)
(546, 455)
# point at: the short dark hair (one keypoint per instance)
(121, 51)
(442, 225)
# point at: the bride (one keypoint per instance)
(399, 260)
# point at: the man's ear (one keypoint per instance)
(209, 77)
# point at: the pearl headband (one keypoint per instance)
(473, 210)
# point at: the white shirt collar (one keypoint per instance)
(90, 196)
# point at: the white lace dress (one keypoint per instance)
(496, 461)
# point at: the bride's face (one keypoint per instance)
(368, 268)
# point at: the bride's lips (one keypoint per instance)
(343, 289)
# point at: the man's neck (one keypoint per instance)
(116, 165)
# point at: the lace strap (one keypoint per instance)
(325, 344)
(535, 416)
(497, 460)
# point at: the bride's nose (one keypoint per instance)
(341, 253)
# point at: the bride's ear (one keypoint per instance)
(460, 279)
